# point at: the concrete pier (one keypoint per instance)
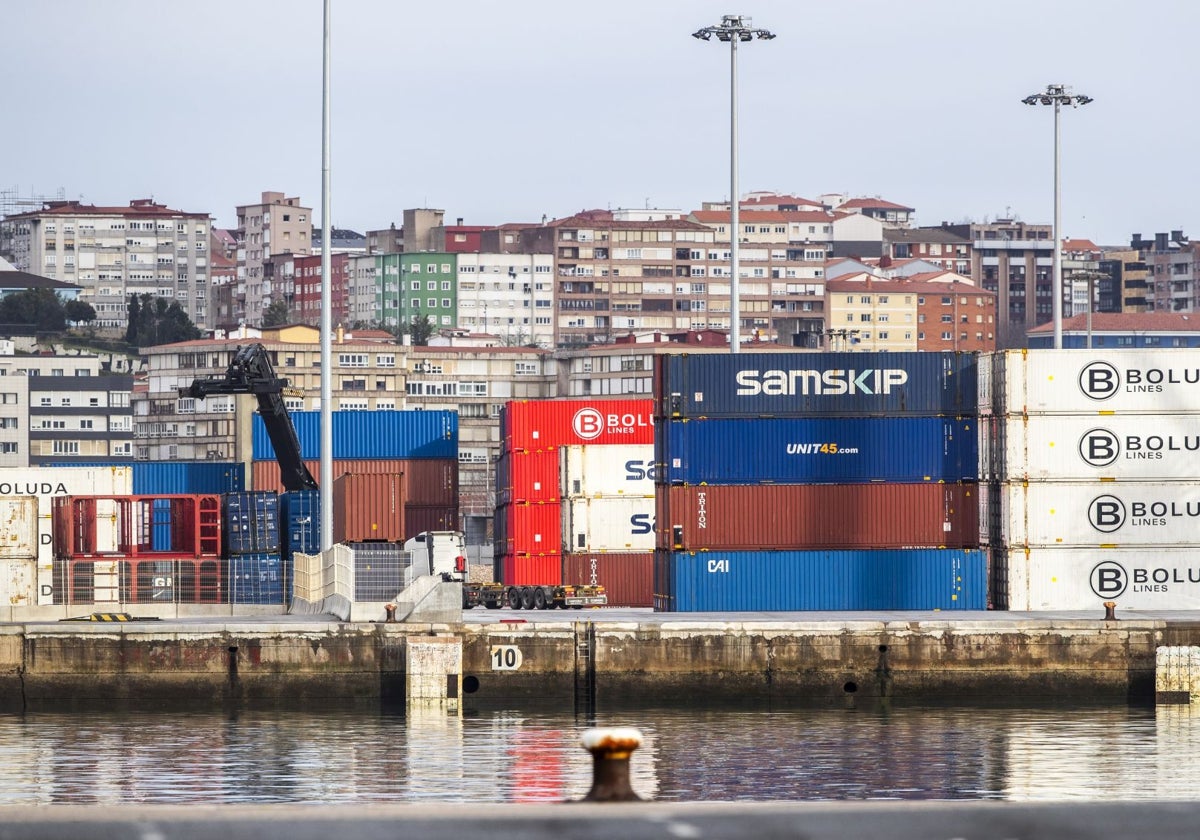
(609, 658)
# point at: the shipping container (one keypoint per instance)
(368, 435)
(608, 523)
(251, 523)
(18, 583)
(534, 529)
(756, 581)
(608, 470)
(527, 475)
(1066, 447)
(1097, 513)
(1134, 381)
(816, 516)
(1165, 578)
(428, 481)
(808, 384)
(18, 528)
(165, 478)
(94, 526)
(541, 424)
(627, 578)
(368, 507)
(842, 450)
(300, 521)
(418, 518)
(541, 570)
(257, 578)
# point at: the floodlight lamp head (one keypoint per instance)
(702, 34)
(766, 35)
(1082, 100)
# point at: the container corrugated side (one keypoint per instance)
(300, 521)
(1140, 381)
(608, 523)
(627, 577)
(742, 581)
(527, 475)
(161, 478)
(418, 518)
(251, 522)
(842, 450)
(18, 527)
(1067, 447)
(608, 470)
(1167, 578)
(808, 384)
(369, 435)
(533, 529)
(540, 424)
(256, 579)
(531, 571)
(1099, 513)
(368, 506)
(817, 516)
(431, 481)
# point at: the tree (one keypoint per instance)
(37, 308)
(132, 316)
(277, 314)
(421, 330)
(159, 322)
(79, 312)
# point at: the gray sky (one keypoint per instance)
(500, 112)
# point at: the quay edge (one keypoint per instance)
(608, 664)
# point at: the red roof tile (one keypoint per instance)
(1128, 322)
(874, 204)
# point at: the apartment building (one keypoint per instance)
(934, 245)
(1130, 280)
(276, 225)
(1171, 264)
(870, 313)
(953, 314)
(889, 213)
(63, 410)
(114, 252)
(1082, 276)
(510, 296)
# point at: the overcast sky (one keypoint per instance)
(499, 112)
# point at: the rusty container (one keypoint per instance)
(368, 507)
(627, 577)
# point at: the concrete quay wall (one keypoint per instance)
(607, 663)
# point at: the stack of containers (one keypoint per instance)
(529, 482)
(300, 525)
(251, 529)
(1093, 465)
(817, 481)
(18, 550)
(421, 446)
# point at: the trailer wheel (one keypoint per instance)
(527, 599)
(514, 598)
(467, 601)
(539, 598)
(492, 605)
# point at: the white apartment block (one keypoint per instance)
(114, 252)
(277, 225)
(510, 296)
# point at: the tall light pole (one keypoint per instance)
(733, 28)
(1056, 95)
(326, 436)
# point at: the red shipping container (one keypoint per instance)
(368, 506)
(418, 518)
(814, 516)
(532, 529)
(527, 475)
(531, 571)
(429, 481)
(628, 579)
(541, 424)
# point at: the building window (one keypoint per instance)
(352, 359)
(385, 360)
(8, 448)
(66, 447)
(525, 369)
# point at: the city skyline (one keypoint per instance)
(507, 114)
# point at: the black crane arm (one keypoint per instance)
(250, 372)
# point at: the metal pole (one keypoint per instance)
(735, 326)
(1091, 293)
(1058, 280)
(326, 484)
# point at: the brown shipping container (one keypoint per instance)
(418, 518)
(628, 579)
(430, 481)
(368, 506)
(814, 516)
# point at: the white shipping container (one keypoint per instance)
(1090, 382)
(1083, 579)
(48, 482)
(607, 470)
(1124, 447)
(18, 528)
(1099, 513)
(608, 524)
(18, 583)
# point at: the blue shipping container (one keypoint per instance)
(806, 384)
(256, 579)
(157, 478)
(251, 522)
(369, 435)
(756, 581)
(818, 451)
(300, 513)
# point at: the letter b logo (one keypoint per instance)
(1099, 447)
(588, 423)
(1109, 579)
(1106, 513)
(1099, 380)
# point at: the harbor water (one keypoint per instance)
(367, 756)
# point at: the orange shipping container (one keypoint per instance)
(429, 481)
(627, 577)
(368, 506)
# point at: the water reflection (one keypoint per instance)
(509, 756)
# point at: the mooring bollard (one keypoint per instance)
(390, 613)
(1110, 611)
(611, 749)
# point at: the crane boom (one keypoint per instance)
(250, 372)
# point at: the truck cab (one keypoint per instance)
(441, 553)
